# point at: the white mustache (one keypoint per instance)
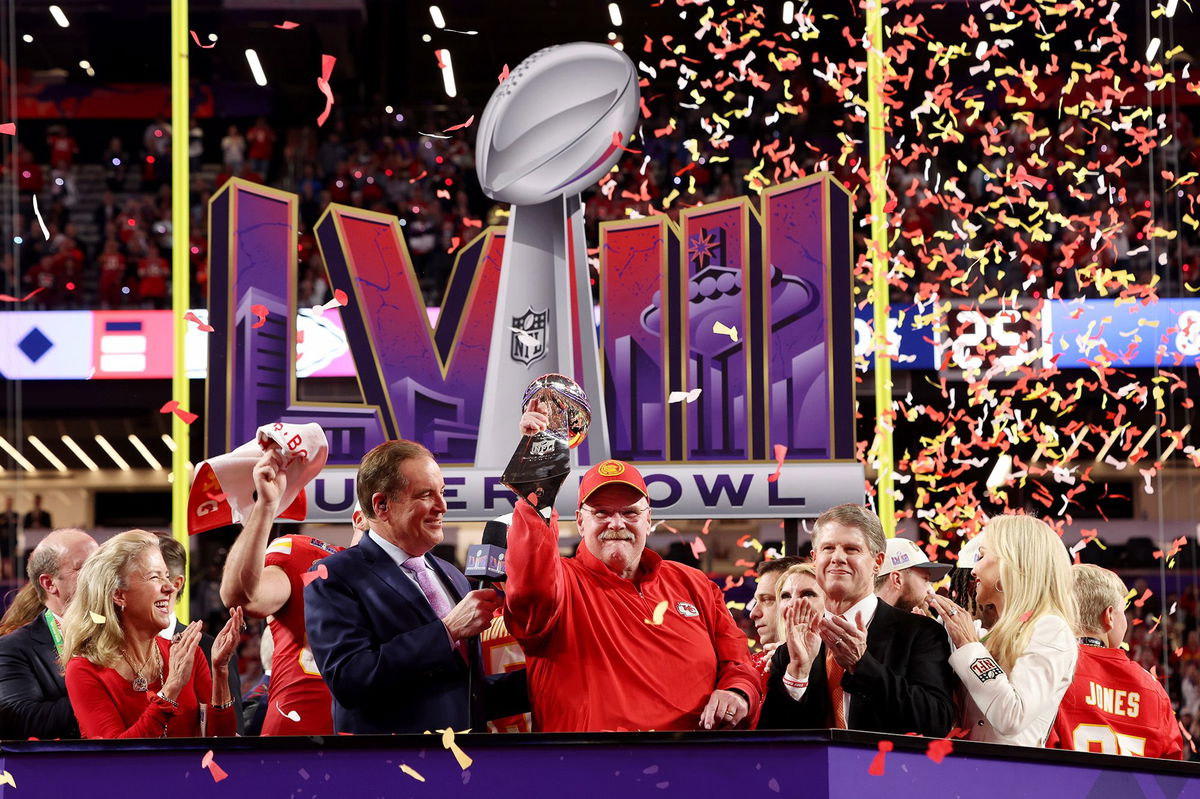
(616, 535)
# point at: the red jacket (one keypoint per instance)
(108, 707)
(595, 660)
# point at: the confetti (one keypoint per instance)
(464, 761)
(618, 142)
(8, 298)
(461, 125)
(412, 772)
(41, 223)
(1142, 601)
(684, 396)
(938, 749)
(339, 300)
(660, 611)
(503, 74)
(319, 573)
(287, 25)
(1026, 616)
(204, 328)
(877, 765)
(327, 62)
(698, 547)
(96, 617)
(261, 312)
(707, 524)
(780, 455)
(291, 715)
(173, 407)
(217, 772)
(7, 779)
(8, 129)
(525, 338)
(196, 39)
(721, 330)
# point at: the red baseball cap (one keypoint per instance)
(609, 472)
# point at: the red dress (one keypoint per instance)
(299, 701)
(107, 706)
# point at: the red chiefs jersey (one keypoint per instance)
(299, 701)
(1114, 707)
(502, 654)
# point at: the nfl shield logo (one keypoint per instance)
(529, 336)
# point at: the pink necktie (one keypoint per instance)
(437, 599)
(425, 579)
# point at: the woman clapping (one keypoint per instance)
(123, 680)
(1017, 676)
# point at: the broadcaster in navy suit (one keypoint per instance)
(391, 627)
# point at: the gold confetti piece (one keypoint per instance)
(7, 779)
(412, 772)
(96, 617)
(660, 610)
(722, 330)
(464, 760)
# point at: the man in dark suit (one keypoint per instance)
(858, 663)
(33, 696)
(392, 628)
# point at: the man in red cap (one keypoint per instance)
(616, 638)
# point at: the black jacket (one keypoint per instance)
(33, 694)
(903, 683)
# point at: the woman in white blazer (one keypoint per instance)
(1018, 674)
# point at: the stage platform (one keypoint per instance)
(818, 763)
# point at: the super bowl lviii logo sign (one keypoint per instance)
(715, 341)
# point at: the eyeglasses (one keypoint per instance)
(628, 515)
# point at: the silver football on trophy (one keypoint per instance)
(564, 402)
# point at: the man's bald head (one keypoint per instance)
(54, 566)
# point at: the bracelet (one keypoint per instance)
(223, 705)
(171, 702)
(794, 683)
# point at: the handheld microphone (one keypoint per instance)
(485, 561)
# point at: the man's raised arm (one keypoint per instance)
(259, 591)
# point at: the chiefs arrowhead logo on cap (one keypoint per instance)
(607, 472)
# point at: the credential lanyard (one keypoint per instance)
(55, 633)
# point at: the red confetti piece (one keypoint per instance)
(261, 312)
(877, 765)
(461, 125)
(327, 62)
(1025, 616)
(319, 573)
(958, 732)
(938, 749)
(9, 128)
(618, 141)
(1140, 602)
(173, 407)
(340, 297)
(698, 547)
(503, 74)
(196, 39)
(217, 772)
(780, 454)
(204, 328)
(704, 530)
(287, 25)
(7, 298)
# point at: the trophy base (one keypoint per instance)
(538, 469)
